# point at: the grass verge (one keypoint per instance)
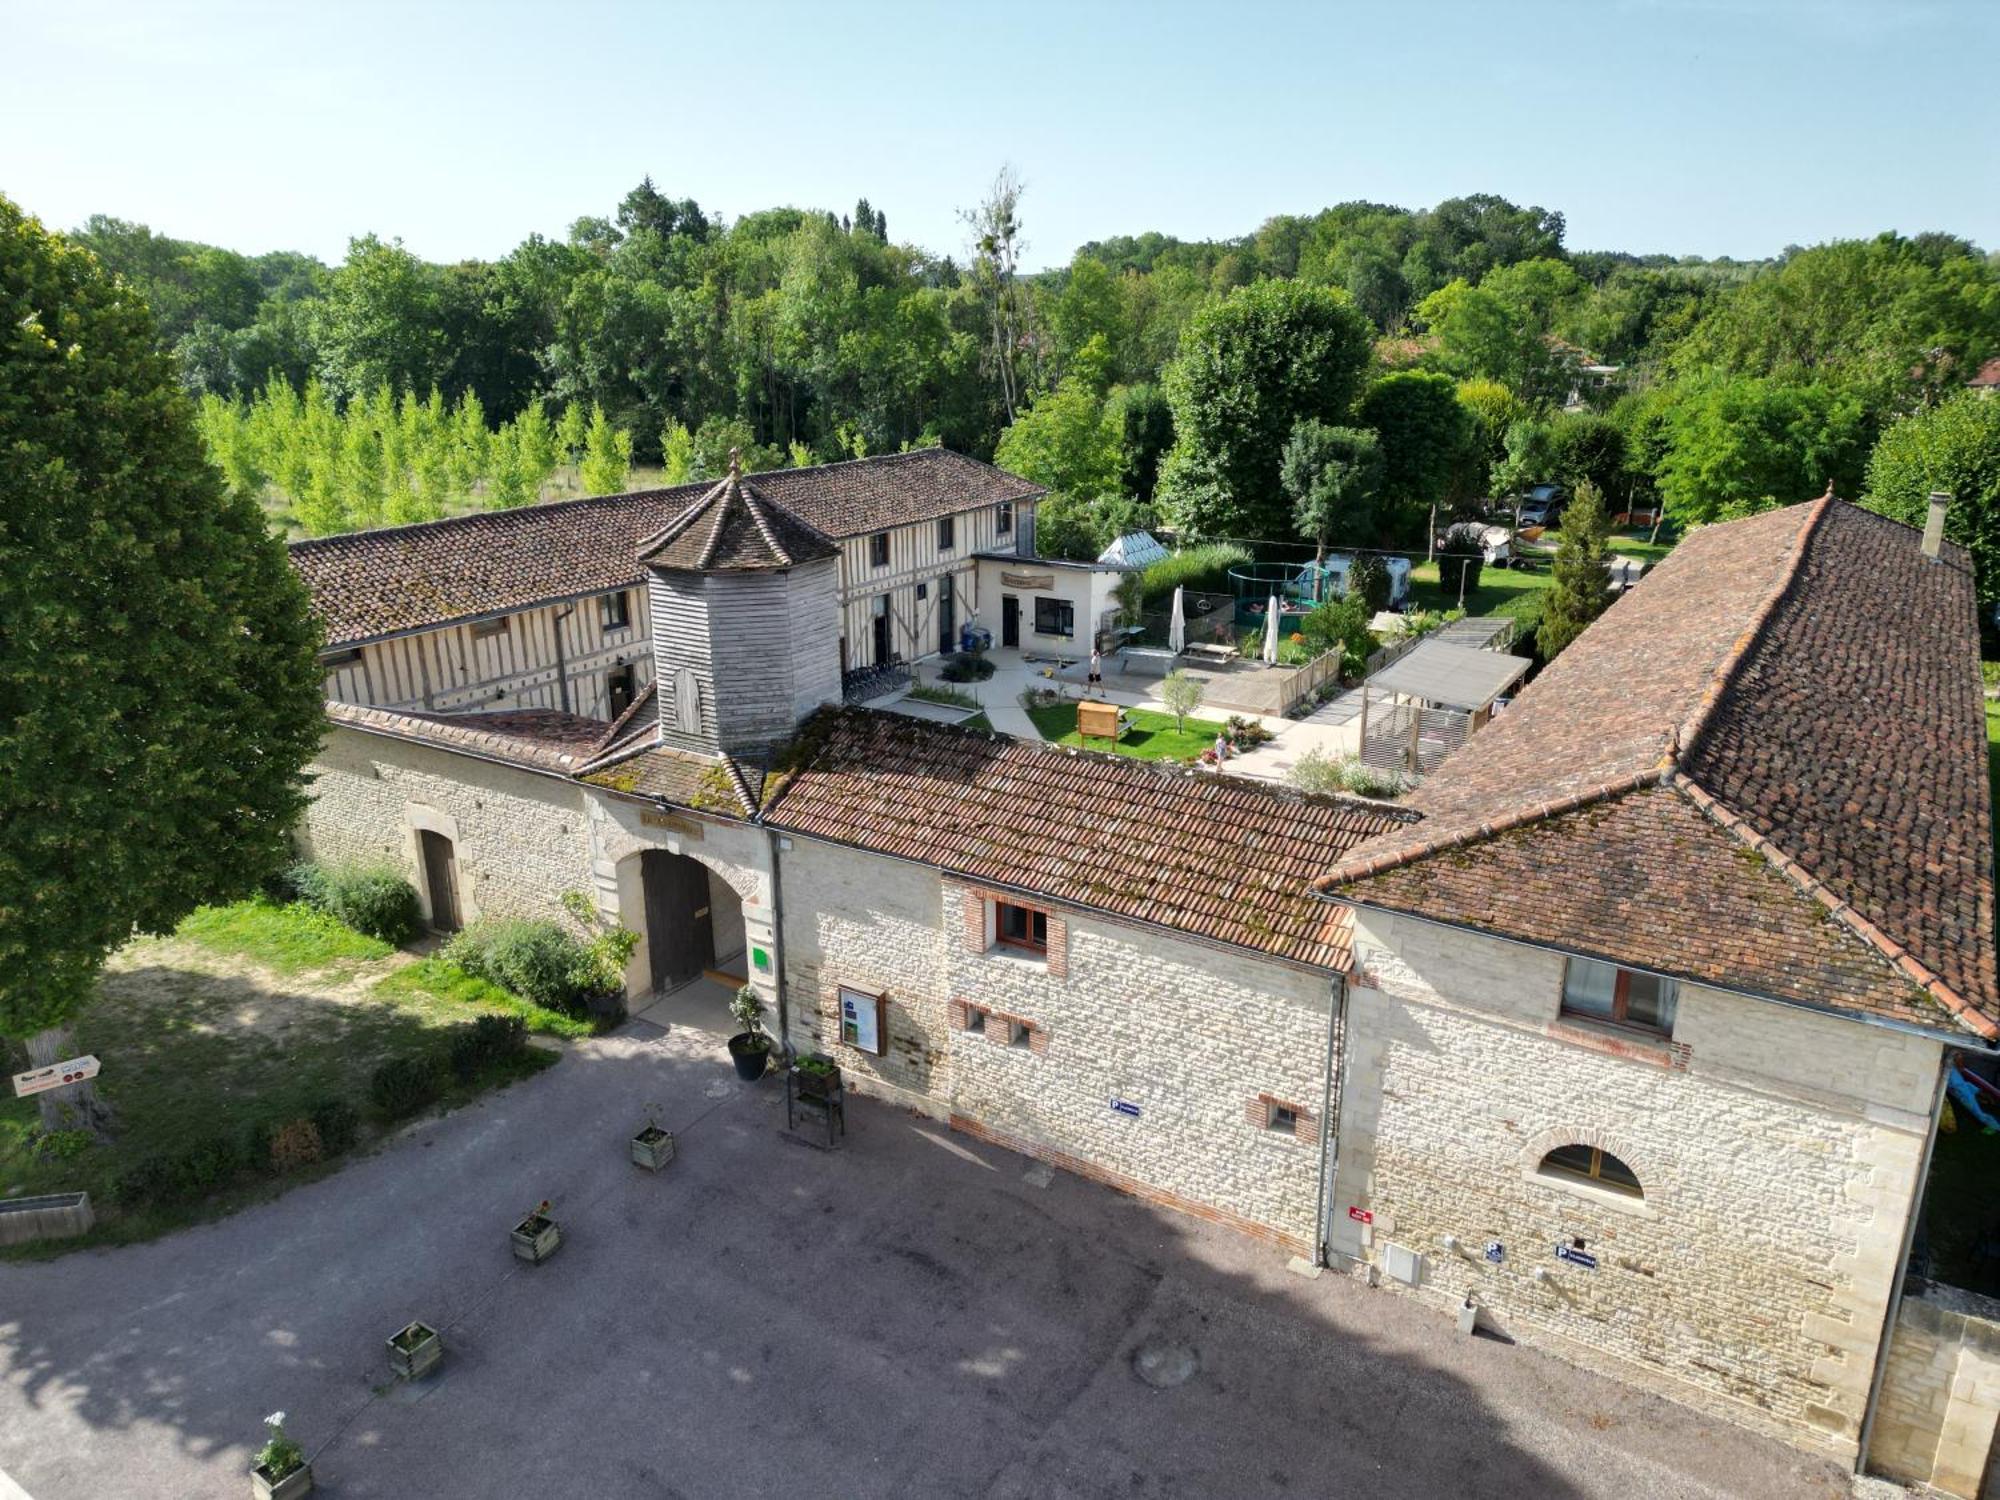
(290, 939)
(468, 996)
(1151, 736)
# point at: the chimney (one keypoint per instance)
(1934, 523)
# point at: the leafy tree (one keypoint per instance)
(1182, 694)
(1146, 425)
(1954, 447)
(1331, 475)
(159, 696)
(607, 456)
(1585, 448)
(1739, 445)
(1502, 328)
(677, 454)
(1066, 440)
(1251, 368)
(1581, 590)
(1425, 433)
(380, 321)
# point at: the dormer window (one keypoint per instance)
(1624, 997)
(1003, 518)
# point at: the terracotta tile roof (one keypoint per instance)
(704, 783)
(1805, 680)
(1212, 856)
(734, 529)
(368, 584)
(1988, 374)
(542, 739)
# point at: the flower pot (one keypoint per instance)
(653, 1148)
(415, 1350)
(751, 1052)
(536, 1238)
(298, 1482)
(813, 1084)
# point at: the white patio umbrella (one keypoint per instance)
(1177, 625)
(1271, 631)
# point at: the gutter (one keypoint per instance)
(1882, 1346)
(1330, 1099)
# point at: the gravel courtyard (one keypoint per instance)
(914, 1314)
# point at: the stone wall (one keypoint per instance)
(519, 839)
(1935, 1423)
(1200, 1041)
(1778, 1152)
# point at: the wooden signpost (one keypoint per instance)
(54, 1076)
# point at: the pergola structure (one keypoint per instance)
(1429, 701)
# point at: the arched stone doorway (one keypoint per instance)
(691, 920)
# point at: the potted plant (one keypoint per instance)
(280, 1469)
(653, 1147)
(537, 1236)
(414, 1350)
(750, 1048)
(818, 1076)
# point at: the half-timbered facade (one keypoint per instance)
(548, 607)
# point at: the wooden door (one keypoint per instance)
(947, 616)
(882, 634)
(1010, 620)
(440, 879)
(680, 934)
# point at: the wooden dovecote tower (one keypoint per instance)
(746, 620)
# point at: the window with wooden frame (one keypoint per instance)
(1624, 997)
(1003, 518)
(616, 610)
(1021, 927)
(878, 550)
(1054, 616)
(1594, 1165)
(485, 629)
(947, 533)
(333, 660)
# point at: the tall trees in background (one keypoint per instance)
(1251, 367)
(140, 778)
(1331, 475)
(1955, 447)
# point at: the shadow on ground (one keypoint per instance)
(913, 1314)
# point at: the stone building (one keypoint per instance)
(1626, 1030)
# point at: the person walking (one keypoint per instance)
(1096, 673)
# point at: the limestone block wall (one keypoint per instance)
(1196, 1043)
(1935, 1424)
(1778, 1151)
(519, 840)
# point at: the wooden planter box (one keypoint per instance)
(415, 1351)
(51, 1216)
(536, 1238)
(298, 1482)
(821, 1086)
(653, 1148)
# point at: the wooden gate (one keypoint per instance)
(440, 880)
(680, 934)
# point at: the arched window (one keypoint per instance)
(1593, 1165)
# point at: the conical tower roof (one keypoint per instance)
(733, 529)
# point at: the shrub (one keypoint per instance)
(202, 1167)
(292, 1145)
(1451, 564)
(537, 960)
(1321, 774)
(144, 1181)
(1368, 580)
(403, 1085)
(965, 666)
(338, 1123)
(1341, 623)
(379, 903)
(1198, 569)
(299, 881)
(478, 1044)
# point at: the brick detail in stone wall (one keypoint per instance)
(974, 929)
(1058, 946)
(1305, 1124)
(1659, 1051)
(1091, 1170)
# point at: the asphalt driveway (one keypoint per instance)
(915, 1314)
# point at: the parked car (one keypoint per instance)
(1543, 505)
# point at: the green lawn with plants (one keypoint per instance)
(1151, 735)
(264, 1041)
(1518, 590)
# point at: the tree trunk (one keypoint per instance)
(76, 1107)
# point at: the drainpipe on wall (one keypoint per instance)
(1902, 1268)
(562, 666)
(778, 940)
(1329, 1135)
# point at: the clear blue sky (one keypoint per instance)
(1687, 126)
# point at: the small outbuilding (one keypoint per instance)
(1429, 701)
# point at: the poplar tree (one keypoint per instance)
(607, 456)
(1581, 590)
(159, 696)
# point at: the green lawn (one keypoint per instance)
(978, 721)
(1517, 591)
(1151, 736)
(246, 1018)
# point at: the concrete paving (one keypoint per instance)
(912, 1314)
